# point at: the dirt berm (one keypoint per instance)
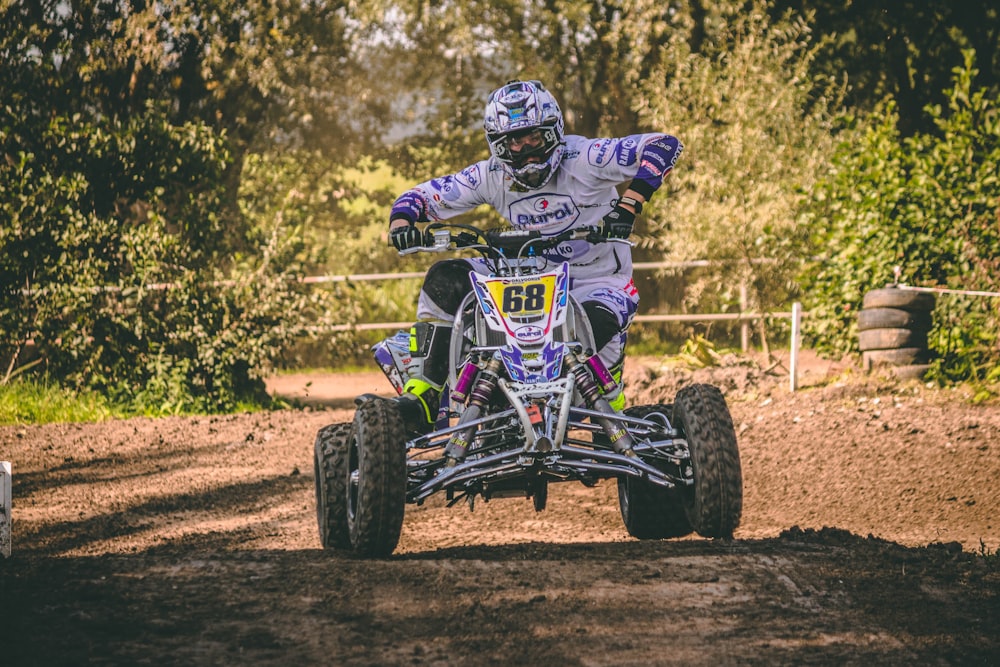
(869, 536)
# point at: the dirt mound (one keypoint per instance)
(734, 376)
(868, 504)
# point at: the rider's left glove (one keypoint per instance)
(405, 236)
(618, 223)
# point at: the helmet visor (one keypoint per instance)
(523, 147)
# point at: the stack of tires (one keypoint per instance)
(893, 326)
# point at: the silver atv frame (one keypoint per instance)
(511, 453)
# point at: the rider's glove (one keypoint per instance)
(618, 224)
(405, 237)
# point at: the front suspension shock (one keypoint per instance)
(620, 439)
(479, 397)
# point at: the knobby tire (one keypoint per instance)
(716, 504)
(378, 439)
(330, 470)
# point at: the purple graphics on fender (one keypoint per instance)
(548, 364)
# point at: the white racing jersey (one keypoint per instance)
(579, 194)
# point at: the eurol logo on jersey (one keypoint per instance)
(551, 212)
(600, 152)
(446, 186)
(469, 177)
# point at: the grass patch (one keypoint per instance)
(32, 402)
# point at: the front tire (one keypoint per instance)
(716, 503)
(651, 512)
(330, 472)
(376, 478)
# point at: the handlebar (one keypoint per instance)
(517, 239)
(506, 242)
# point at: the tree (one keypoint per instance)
(123, 129)
(757, 133)
(904, 49)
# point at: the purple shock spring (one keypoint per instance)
(604, 378)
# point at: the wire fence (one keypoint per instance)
(741, 317)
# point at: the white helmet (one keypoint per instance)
(524, 127)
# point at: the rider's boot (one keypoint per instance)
(418, 404)
(616, 397)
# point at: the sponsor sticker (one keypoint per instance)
(626, 151)
(601, 152)
(447, 187)
(469, 177)
(651, 168)
(553, 212)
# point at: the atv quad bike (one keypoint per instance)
(527, 406)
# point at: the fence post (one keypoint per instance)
(793, 363)
(744, 325)
(5, 503)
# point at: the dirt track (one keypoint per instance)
(193, 541)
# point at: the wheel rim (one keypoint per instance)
(623, 498)
(320, 496)
(353, 479)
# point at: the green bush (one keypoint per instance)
(103, 212)
(928, 204)
(757, 131)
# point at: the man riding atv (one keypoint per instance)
(538, 179)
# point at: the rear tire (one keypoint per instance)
(904, 356)
(651, 512)
(911, 372)
(716, 503)
(330, 472)
(376, 478)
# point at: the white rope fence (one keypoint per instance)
(947, 290)
(897, 271)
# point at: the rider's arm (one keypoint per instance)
(643, 158)
(409, 207)
(441, 198)
(656, 159)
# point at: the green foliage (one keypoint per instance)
(338, 215)
(98, 210)
(122, 134)
(39, 402)
(756, 136)
(104, 211)
(928, 204)
(903, 49)
(698, 352)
